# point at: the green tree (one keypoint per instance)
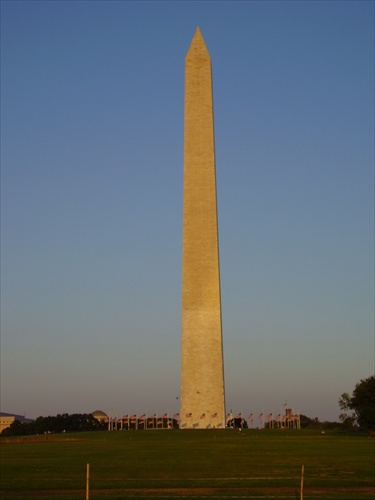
(347, 417)
(362, 402)
(16, 428)
(309, 423)
(61, 423)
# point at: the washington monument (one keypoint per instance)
(202, 374)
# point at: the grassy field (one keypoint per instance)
(189, 464)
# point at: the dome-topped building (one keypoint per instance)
(100, 415)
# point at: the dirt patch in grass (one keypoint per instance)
(364, 492)
(41, 439)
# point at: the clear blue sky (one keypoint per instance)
(92, 161)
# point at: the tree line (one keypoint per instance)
(77, 422)
(358, 412)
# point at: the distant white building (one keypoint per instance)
(7, 419)
(100, 415)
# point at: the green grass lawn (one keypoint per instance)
(191, 464)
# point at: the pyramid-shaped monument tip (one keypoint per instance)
(198, 45)
(198, 33)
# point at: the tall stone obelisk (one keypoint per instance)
(202, 377)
